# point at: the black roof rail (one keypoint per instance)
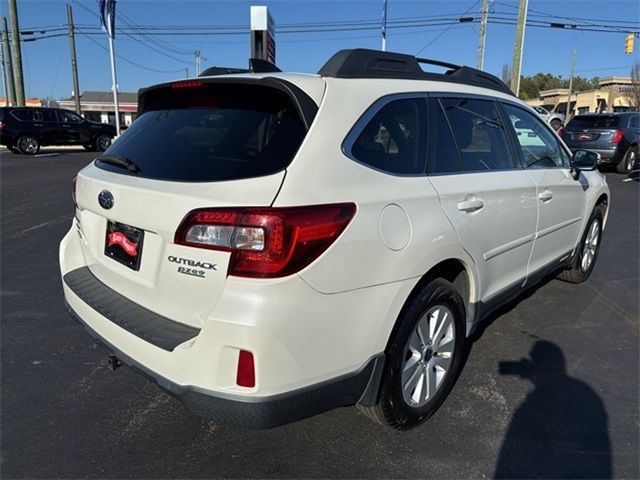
(256, 65)
(364, 63)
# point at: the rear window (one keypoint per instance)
(211, 133)
(594, 121)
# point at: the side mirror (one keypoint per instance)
(584, 160)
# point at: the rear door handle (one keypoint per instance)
(470, 205)
(546, 195)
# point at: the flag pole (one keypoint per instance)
(384, 25)
(114, 86)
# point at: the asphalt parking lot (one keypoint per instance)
(65, 415)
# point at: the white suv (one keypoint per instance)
(268, 246)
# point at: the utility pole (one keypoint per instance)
(384, 25)
(11, 89)
(483, 34)
(516, 65)
(74, 62)
(186, 72)
(5, 86)
(573, 63)
(17, 55)
(197, 54)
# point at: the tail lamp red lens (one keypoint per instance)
(617, 136)
(246, 374)
(266, 242)
(74, 182)
(561, 133)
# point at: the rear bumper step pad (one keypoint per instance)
(151, 327)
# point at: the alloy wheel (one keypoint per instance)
(590, 246)
(28, 145)
(428, 356)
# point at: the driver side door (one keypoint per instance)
(561, 199)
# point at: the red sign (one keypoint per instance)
(119, 238)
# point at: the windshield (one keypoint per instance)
(211, 133)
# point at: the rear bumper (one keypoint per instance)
(312, 354)
(607, 156)
(262, 412)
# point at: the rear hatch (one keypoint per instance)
(592, 131)
(197, 144)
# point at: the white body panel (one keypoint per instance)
(338, 312)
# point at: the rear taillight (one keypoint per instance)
(617, 136)
(1, 126)
(266, 242)
(73, 191)
(561, 133)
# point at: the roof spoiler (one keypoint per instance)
(364, 63)
(256, 65)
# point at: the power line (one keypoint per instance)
(126, 59)
(445, 30)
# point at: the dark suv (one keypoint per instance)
(25, 129)
(615, 136)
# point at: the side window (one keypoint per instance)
(24, 115)
(395, 139)
(445, 157)
(68, 117)
(479, 134)
(540, 148)
(37, 116)
(49, 115)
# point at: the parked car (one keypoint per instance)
(555, 119)
(615, 136)
(26, 129)
(269, 246)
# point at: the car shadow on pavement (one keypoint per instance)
(560, 429)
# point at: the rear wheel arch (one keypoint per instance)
(455, 271)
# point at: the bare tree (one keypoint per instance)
(506, 73)
(634, 94)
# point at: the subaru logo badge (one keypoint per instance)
(105, 199)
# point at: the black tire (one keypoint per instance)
(28, 144)
(556, 124)
(629, 161)
(576, 273)
(14, 149)
(89, 148)
(393, 410)
(102, 142)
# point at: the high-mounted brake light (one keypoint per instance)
(617, 136)
(266, 242)
(187, 84)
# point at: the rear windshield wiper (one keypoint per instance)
(123, 162)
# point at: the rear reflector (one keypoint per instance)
(617, 136)
(246, 375)
(266, 242)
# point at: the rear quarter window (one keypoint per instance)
(395, 139)
(23, 115)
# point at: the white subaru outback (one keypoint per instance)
(267, 246)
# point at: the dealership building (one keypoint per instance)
(613, 95)
(98, 106)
